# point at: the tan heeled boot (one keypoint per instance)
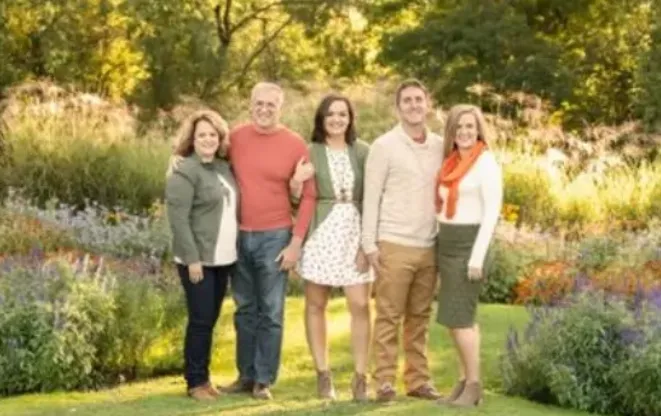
(359, 388)
(470, 396)
(325, 388)
(456, 392)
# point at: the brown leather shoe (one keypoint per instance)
(471, 396)
(201, 393)
(456, 391)
(359, 388)
(237, 387)
(261, 392)
(325, 388)
(386, 393)
(425, 392)
(212, 390)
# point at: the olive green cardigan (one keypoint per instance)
(325, 194)
(194, 203)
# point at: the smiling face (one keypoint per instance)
(206, 140)
(337, 119)
(467, 132)
(413, 106)
(265, 107)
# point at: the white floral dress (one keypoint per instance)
(329, 255)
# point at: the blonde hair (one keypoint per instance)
(183, 146)
(452, 122)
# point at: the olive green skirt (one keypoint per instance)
(458, 296)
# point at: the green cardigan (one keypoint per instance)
(194, 202)
(325, 194)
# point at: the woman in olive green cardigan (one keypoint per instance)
(202, 200)
(332, 256)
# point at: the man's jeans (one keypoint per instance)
(259, 288)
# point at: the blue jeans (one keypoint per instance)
(204, 301)
(259, 288)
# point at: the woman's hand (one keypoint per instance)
(362, 264)
(195, 272)
(304, 171)
(474, 273)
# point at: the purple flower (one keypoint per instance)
(512, 341)
(631, 336)
(654, 298)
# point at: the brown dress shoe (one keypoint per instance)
(456, 391)
(425, 392)
(325, 388)
(238, 386)
(212, 390)
(471, 396)
(201, 393)
(386, 393)
(359, 388)
(261, 392)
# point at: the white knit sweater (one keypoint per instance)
(480, 201)
(398, 201)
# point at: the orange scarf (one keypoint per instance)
(451, 173)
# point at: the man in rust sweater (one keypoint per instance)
(264, 155)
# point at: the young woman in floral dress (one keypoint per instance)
(332, 256)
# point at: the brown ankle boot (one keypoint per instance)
(471, 396)
(201, 393)
(325, 389)
(456, 391)
(212, 390)
(359, 388)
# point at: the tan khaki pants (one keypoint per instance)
(404, 289)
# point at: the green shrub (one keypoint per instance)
(503, 266)
(50, 331)
(74, 326)
(529, 187)
(76, 158)
(639, 380)
(597, 253)
(143, 315)
(582, 353)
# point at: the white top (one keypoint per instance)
(226, 244)
(479, 201)
(398, 198)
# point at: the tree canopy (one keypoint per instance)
(589, 60)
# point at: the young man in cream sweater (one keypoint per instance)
(399, 231)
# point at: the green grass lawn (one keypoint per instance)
(295, 391)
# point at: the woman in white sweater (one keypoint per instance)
(469, 200)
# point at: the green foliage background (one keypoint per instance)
(588, 60)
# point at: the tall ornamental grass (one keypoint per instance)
(78, 158)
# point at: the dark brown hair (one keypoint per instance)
(319, 131)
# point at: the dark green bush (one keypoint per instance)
(639, 380)
(74, 326)
(594, 353)
(503, 267)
